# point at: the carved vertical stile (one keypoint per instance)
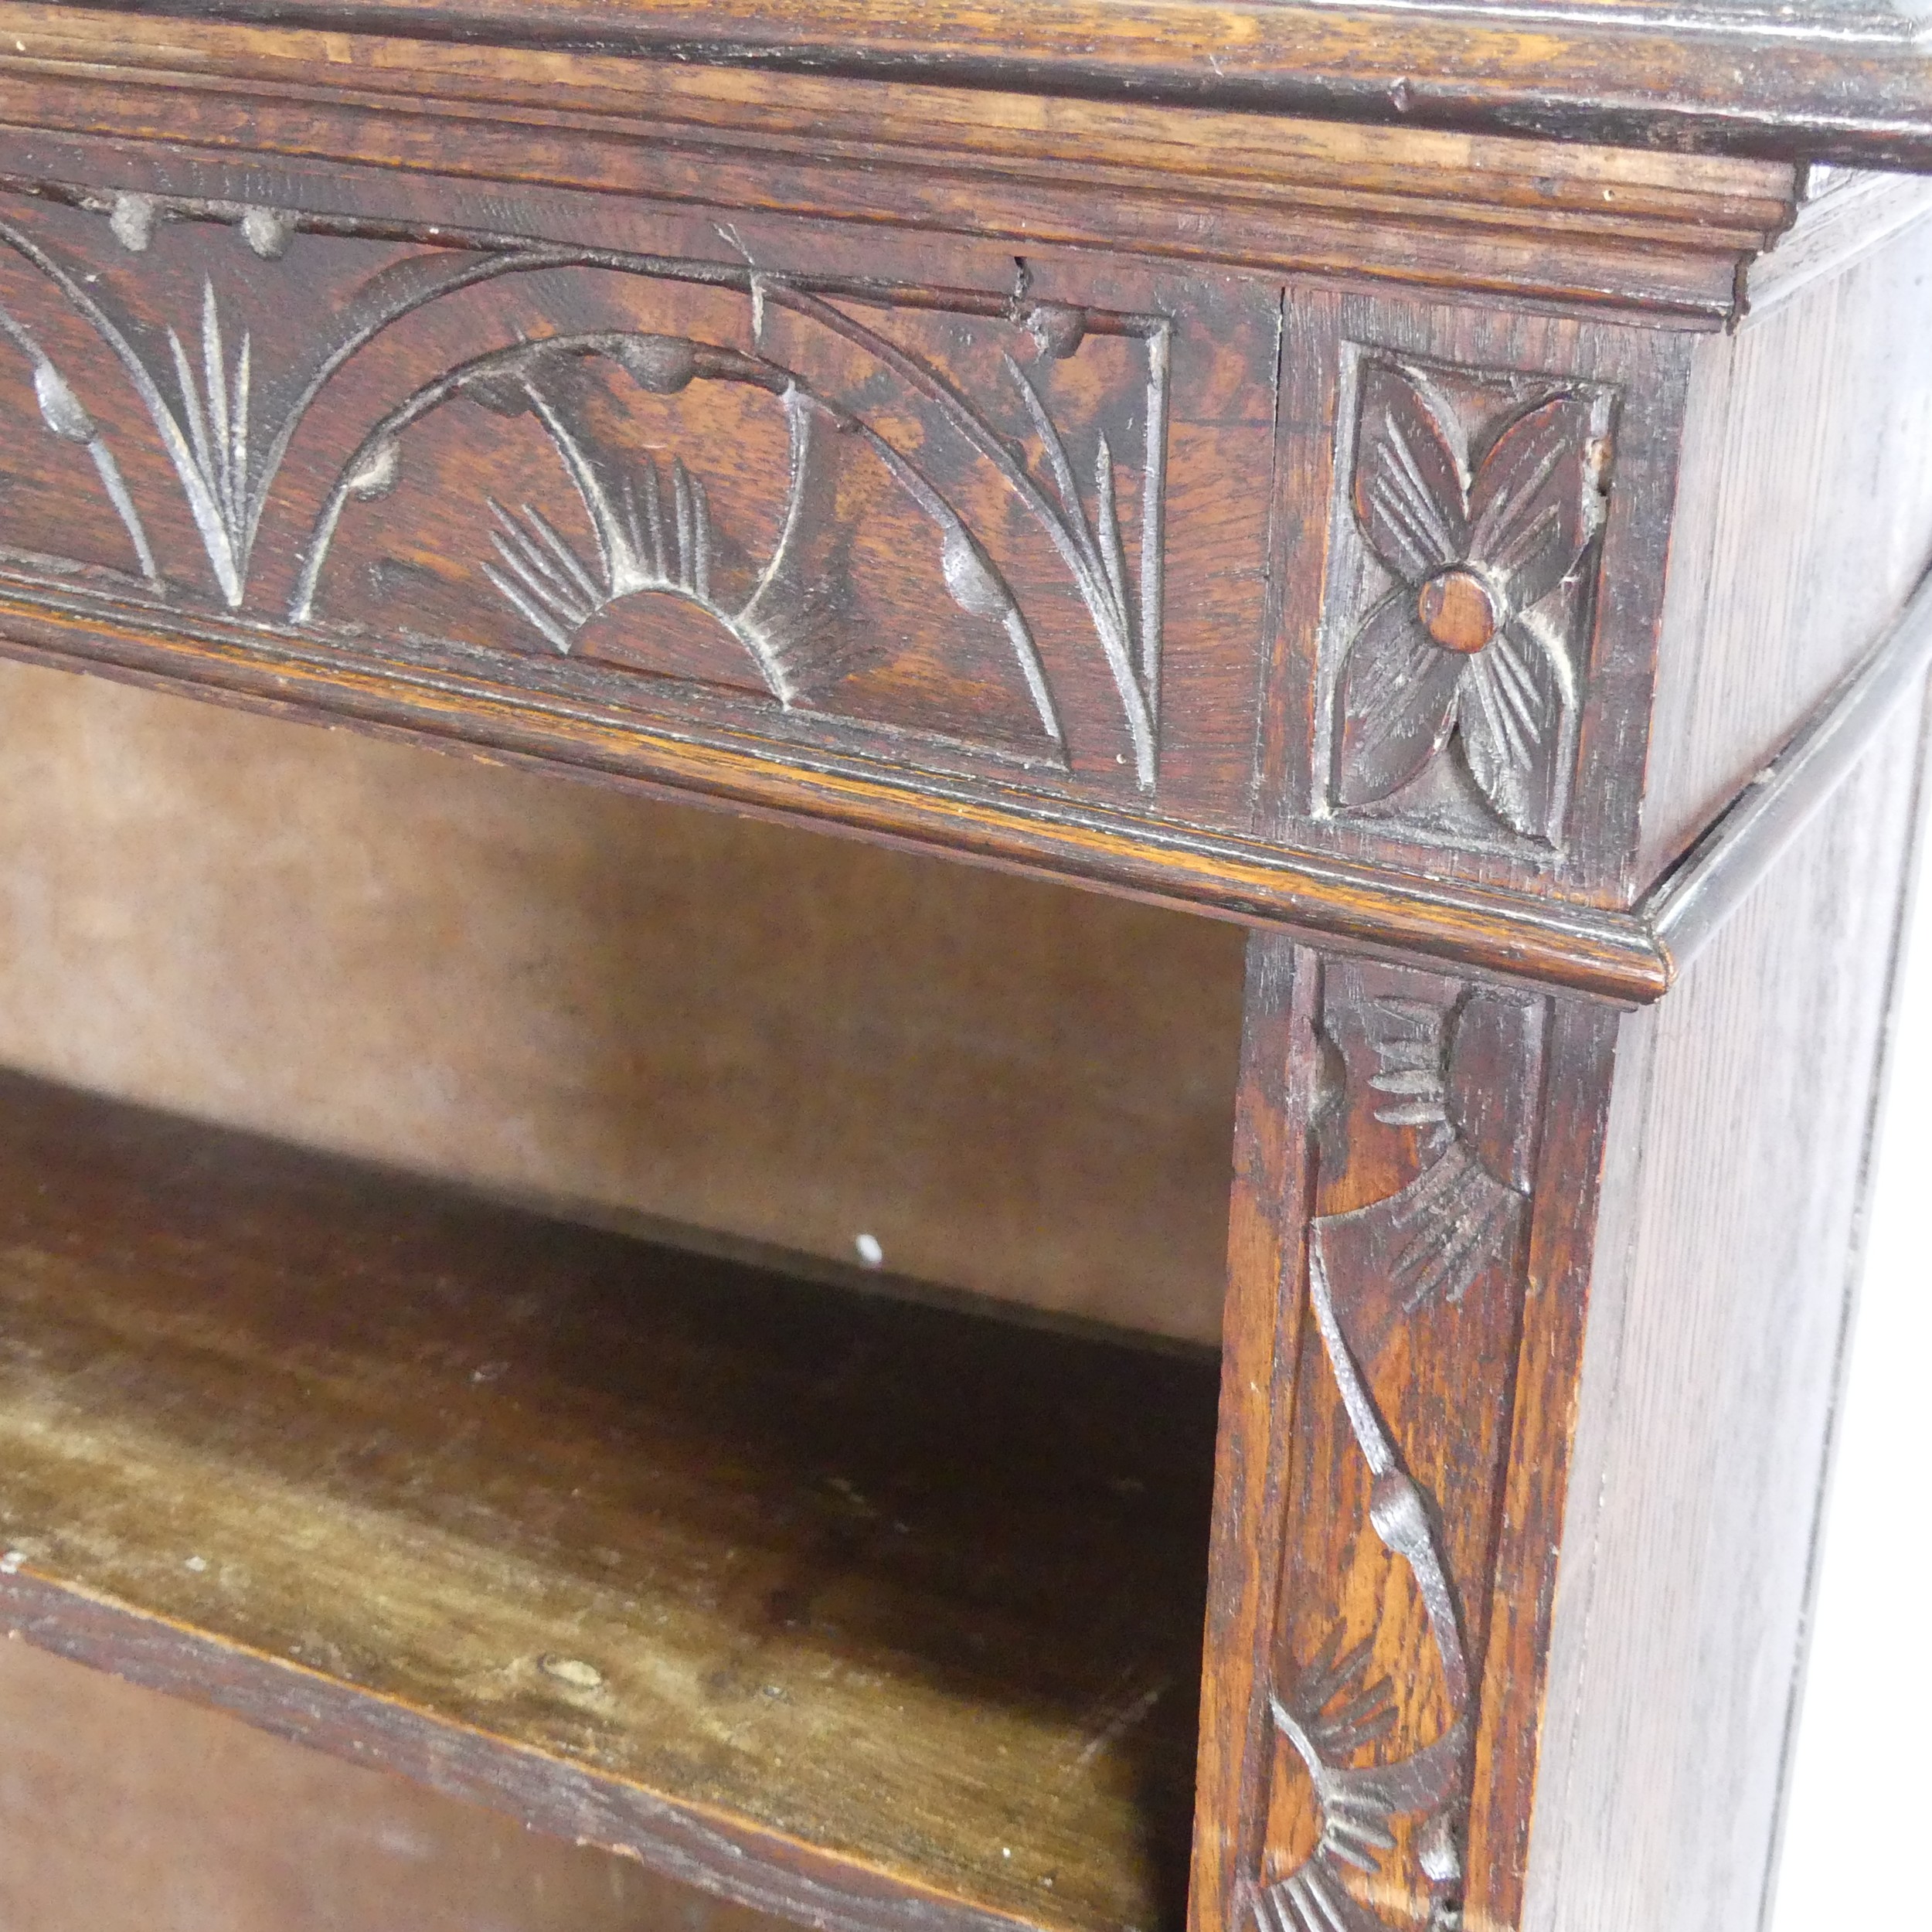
(1264, 1236)
(1413, 1195)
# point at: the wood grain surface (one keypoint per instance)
(937, 545)
(1727, 1256)
(1843, 81)
(1393, 479)
(867, 1613)
(1665, 234)
(124, 1811)
(1789, 558)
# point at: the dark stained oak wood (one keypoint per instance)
(1848, 82)
(1785, 572)
(1416, 1162)
(985, 521)
(1444, 486)
(861, 1612)
(1748, 840)
(1613, 956)
(1441, 1678)
(1665, 234)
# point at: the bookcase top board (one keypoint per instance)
(1844, 81)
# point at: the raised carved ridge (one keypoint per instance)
(1475, 500)
(1400, 1429)
(895, 402)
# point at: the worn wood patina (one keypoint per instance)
(1443, 488)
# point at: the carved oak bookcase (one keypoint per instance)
(1448, 496)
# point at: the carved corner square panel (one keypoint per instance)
(1459, 604)
(898, 512)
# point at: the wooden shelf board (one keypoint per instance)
(869, 1613)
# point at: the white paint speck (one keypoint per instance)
(197, 1564)
(869, 1251)
(10, 1563)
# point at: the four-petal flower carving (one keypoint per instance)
(1458, 645)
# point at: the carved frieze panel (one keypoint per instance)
(1399, 1436)
(896, 510)
(1457, 615)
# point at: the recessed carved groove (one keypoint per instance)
(64, 415)
(646, 543)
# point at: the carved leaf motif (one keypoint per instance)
(211, 446)
(1514, 700)
(66, 416)
(1312, 1899)
(1398, 701)
(1408, 490)
(60, 409)
(1099, 565)
(1530, 504)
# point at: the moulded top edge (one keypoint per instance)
(1850, 81)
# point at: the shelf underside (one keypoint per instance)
(869, 1613)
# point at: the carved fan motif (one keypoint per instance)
(1478, 534)
(653, 529)
(864, 569)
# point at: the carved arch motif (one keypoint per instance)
(201, 402)
(651, 533)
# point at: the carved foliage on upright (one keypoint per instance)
(1399, 1438)
(739, 480)
(1455, 692)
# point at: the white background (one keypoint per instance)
(1860, 1798)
